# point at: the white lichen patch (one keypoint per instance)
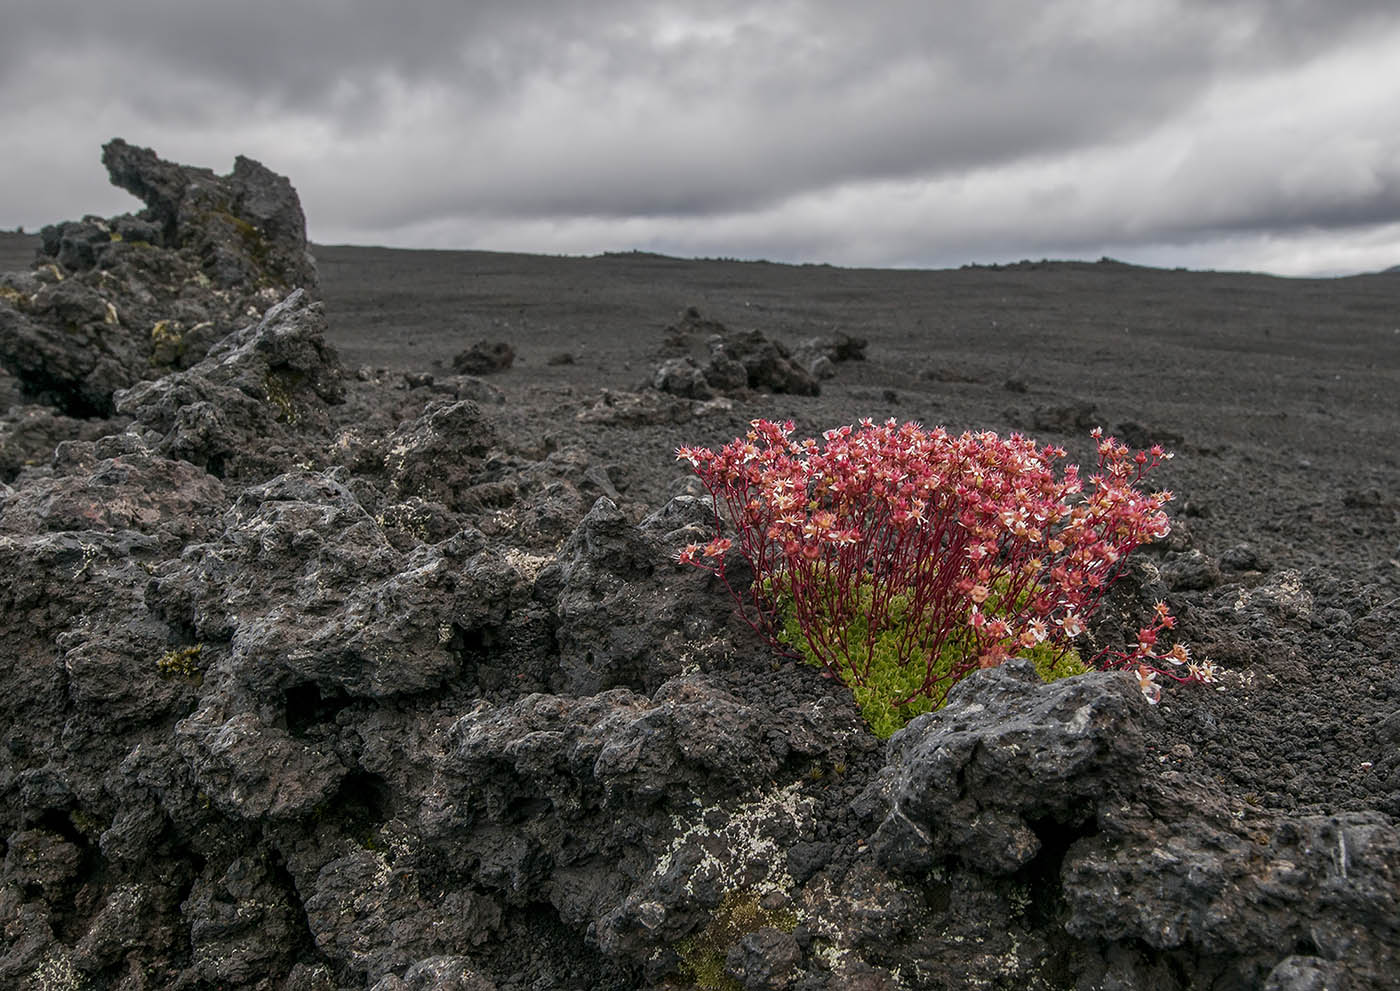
(382, 872)
(829, 955)
(501, 521)
(717, 648)
(56, 973)
(1284, 595)
(828, 910)
(91, 552)
(740, 851)
(528, 566)
(398, 453)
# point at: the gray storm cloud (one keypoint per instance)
(1238, 133)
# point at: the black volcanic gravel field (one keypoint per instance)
(1280, 397)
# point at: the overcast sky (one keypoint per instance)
(1228, 134)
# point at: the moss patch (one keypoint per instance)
(891, 693)
(739, 913)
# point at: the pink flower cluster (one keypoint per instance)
(971, 537)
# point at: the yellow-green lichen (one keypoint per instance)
(252, 237)
(57, 973)
(167, 342)
(183, 661)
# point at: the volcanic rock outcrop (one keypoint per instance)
(111, 302)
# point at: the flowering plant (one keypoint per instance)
(949, 552)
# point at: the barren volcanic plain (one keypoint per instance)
(1280, 398)
(339, 656)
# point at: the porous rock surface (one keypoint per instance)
(320, 681)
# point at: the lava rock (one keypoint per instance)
(253, 771)
(820, 355)
(683, 377)
(68, 349)
(135, 491)
(621, 621)
(1141, 437)
(30, 433)
(689, 326)
(1243, 557)
(724, 372)
(1189, 571)
(769, 365)
(247, 227)
(1067, 418)
(111, 301)
(438, 455)
(648, 408)
(243, 923)
(1305, 973)
(737, 362)
(272, 379)
(606, 773)
(764, 960)
(41, 859)
(484, 358)
(437, 974)
(370, 913)
(304, 537)
(1283, 597)
(1322, 881)
(75, 243)
(1007, 760)
(131, 919)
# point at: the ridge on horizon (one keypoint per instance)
(1022, 263)
(10, 236)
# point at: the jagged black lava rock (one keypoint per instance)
(484, 358)
(111, 302)
(247, 228)
(1006, 760)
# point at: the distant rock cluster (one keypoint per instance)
(706, 367)
(738, 362)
